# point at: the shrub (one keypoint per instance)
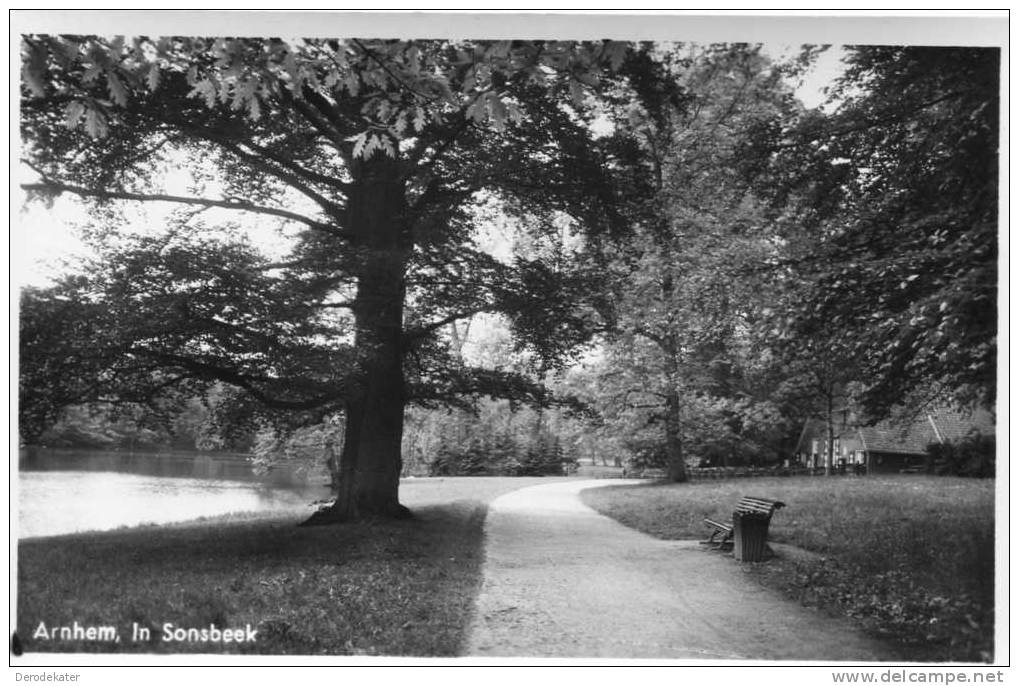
(971, 456)
(464, 461)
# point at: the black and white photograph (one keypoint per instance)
(509, 338)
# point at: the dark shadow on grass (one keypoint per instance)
(386, 587)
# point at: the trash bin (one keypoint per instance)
(749, 536)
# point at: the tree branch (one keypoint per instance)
(54, 187)
(236, 378)
(304, 172)
(291, 179)
(644, 406)
(664, 396)
(425, 329)
(650, 335)
(293, 174)
(455, 129)
(318, 120)
(403, 84)
(878, 121)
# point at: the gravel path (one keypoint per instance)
(561, 580)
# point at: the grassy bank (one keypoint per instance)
(910, 558)
(375, 588)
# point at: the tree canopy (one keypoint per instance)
(891, 202)
(729, 251)
(377, 149)
(688, 288)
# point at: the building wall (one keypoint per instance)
(893, 463)
(848, 450)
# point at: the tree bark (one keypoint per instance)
(371, 460)
(673, 442)
(675, 460)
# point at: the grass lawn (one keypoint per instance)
(372, 588)
(911, 558)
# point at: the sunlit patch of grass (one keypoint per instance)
(911, 558)
(375, 588)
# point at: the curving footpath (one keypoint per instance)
(561, 580)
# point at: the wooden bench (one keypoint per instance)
(748, 505)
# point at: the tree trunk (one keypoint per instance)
(673, 442)
(829, 452)
(333, 465)
(371, 461)
(675, 460)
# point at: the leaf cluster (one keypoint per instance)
(891, 205)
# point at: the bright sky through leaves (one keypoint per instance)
(45, 239)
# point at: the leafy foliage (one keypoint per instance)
(375, 151)
(684, 371)
(405, 85)
(313, 448)
(890, 208)
(156, 320)
(973, 455)
(742, 261)
(491, 439)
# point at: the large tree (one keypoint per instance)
(376, 149)
(890, 209)
(690, 287)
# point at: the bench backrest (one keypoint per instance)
(751, 504)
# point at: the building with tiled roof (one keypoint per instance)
(891, 445)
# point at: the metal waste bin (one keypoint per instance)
(749, 536)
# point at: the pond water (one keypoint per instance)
(67, 491)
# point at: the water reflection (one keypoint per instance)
(68, 491)
(171, 464)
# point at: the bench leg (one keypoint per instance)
(711, 538)
(721, 542)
